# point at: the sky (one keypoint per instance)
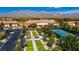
(48, 9)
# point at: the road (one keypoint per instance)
(9, 45)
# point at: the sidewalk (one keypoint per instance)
(33, 41)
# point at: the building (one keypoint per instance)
(73, 23)
(40, 23)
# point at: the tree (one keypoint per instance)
(10, 28)
(24, 29)
(21, 21)
(76, 43)
(52, 37)
(1, 25)
(22, 40)
(47, 30)
(61, 22)
(33, 25)
(67, 42)
(17, 47)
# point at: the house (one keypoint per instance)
(9, 23)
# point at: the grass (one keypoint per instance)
(39, 45)
(29, 46)
(35, 34)
(28, 34)
(1, 35)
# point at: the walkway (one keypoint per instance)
(33, 41)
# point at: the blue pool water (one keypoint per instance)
(60, 33)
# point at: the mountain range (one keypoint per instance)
(28, 13)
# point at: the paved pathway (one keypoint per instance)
(45, 46)
(25, 48)
(53, 45)
(33, 41)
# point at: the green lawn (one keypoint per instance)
(29, 46)
(28, 34)
(2, 34)
(39, 45)
(35, 34)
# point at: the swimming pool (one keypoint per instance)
(60, 32)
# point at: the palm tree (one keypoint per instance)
(67, 42)
(76, 43)
(24, 29)
(61, 22)
(47, 30)
(22, 40)
(1, 25)
(52, 37)
(70, 43)
(21, 21)
(10, 28)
